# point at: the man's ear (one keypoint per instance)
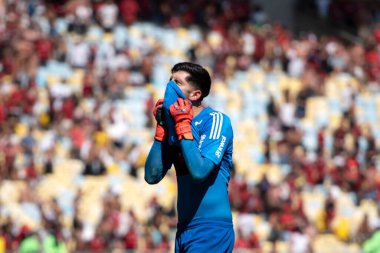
(195, 95)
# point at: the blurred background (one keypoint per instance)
(300, 80)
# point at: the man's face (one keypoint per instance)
(188, 90)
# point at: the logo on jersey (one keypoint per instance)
(217, 122)
(198, 122)
(221, 146)
(203, 137)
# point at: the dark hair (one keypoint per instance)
(199, 77)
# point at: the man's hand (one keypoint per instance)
(182, 113)
(159, 116)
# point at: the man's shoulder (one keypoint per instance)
(212, 114)
(214, 121)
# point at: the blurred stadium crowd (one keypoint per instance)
(78, 82)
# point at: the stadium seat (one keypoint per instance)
(323, 243)
(90, 207)
(369, 207)
(313, 204)
(10, 191)
(20, 217)
(94, 33)
(76, 80)
(256, 173)
(281, 247)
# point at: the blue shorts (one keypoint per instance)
(205, 235)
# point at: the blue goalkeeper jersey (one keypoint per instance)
(208, 199)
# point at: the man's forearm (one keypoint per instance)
(157, 164)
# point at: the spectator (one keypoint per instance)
(94, 166)
(53, 242)
(30, 242)
(108, 13)
(287, 113)
(300, 242)
(79, 53)
(251, 242)
(129, 10)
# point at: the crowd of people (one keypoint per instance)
(74, 86)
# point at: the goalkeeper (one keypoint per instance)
(199, 141)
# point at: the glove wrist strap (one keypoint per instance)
(184, 131)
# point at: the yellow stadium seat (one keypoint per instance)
(108, 37)
(334, 120)
(313, 205)
(70, 167)
(257, 76)
(214, 39)
(76, 80)
(182, 33)
(51, 187)
(90, 207)
(272, 171)
(353, 248)
(134, 53)
(10, 191)
(101, 138)
(177, 52)
(341, 228)
(20, 218)
(315, 105)
(52, 79)
(292, 84)
(21, 130)
(369, 207)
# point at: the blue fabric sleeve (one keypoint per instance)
(157, 163)
(198, 166)
(218, 134)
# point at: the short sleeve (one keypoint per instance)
(216, 136)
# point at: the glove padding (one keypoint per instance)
(182, 114)
(160, 134)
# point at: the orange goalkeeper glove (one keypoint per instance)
(159, 116)
(182, 113)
